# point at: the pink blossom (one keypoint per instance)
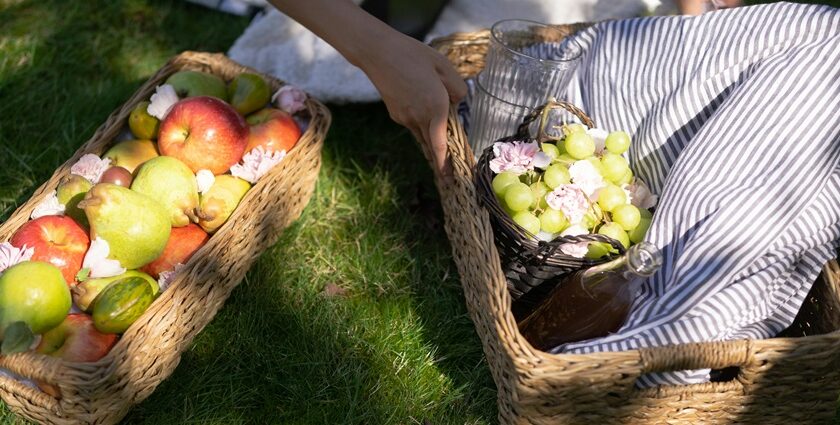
(640, 194)
(256, 164)
(97, 262)
(162, 101)
(167, 277)
(11, 255)
(90, 167)
(49, 206)
(587, 178)
(290, 99)
(600, 138)
(570, 200)
(577, 249)
(517, 157)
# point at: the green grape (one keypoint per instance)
(597, 164)
(551, 150)
(574, 128)
(615, 167)
(556, 174)
(615, 231)
(502, 181)
(518, 196)
(638, 234)
(598, 250)
(626, 178)
(539, 190)
(565, 159)
(580, 145)
(627, 216)
(646, 214)
(528, 221)
(553, 221)
(610, 197)
(592, 217)
(618, 142)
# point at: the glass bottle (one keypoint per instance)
(591, 303)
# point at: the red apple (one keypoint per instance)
(74, 340)
(205, 133)
(273, 129)
(183, 243)
(58, 240)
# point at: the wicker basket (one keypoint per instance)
(104, 391)
(783, 380)
(532, 267)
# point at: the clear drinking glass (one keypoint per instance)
(491, 118)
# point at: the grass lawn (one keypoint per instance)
(394, 346)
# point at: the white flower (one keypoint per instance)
(97, 261)
(541, 160)
(256, 164)
(587, 178)
(11, 255)
(90, 167)
(570, 200)
(600, 138)
(166, 277)
(162, 101)
(577, 249)
(517, 157)
(640, 194)
(205, 180)
(49, 206)
(290, 99)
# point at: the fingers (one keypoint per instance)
(455, 85)
(436, 136)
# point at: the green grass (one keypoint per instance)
(396, 346)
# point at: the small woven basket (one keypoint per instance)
(531, 266)
(104, 391)
(791, 379)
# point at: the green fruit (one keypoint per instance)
(121, 304)
(556, 175)
(539, 190)
(130, 154)
(171, 183)
(248, 92)
(627, 216)
(33, 292)
(611, 196)
(519, 197)
(551, 150)
(143, 125)
(218, 203)
(638, 233)
(70, 192)
(84, 293)
(528, 221)
(197, 83)
(135, 226)
(580, 145)
(553, 221)
(617, 142)
(615, 231)
(502, 181)
(598, 250)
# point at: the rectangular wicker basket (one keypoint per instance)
(149, 351)
(793, 378)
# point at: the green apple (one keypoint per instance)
(130, 154)
(197, 83)
(143, 125)
(248, 93)
(70, 192)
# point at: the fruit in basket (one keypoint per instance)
(518, 197)
(551, 150)
(627, 216)
(70, 192)
(579, 145)
(118, 176)
(501, 182)
(135, 226)
(553, 221)
(615, 231)
(183, 243)
(197, 83)
(84, 293)
(76, 340)
(34, 298)
(638, 233)
(528, 221)
(556, 175)
(248, 92)
(205, 133)
(614, 167)
(171, 183)
(611, 196)
(57, 240)
(120, 304)
(618, 142)
(219, 202)
(538, 191)
(273, 129)
(130, 154)
(142, 124)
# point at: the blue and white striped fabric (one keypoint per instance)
(735, 123)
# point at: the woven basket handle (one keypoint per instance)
(707, 355)
(524, 129)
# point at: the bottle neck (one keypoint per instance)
(640, 261)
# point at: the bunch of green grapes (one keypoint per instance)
(523, 196)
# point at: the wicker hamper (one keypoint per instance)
(793, 378)
(149, 351)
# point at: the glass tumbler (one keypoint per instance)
(491, 118)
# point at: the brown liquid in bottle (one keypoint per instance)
(591, 303)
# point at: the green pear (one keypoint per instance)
(248, 93)
(219, 202)
(84, 293)
(70, 192)
(142, 124)
(135, 226)
(197, 83)
(130, 154)
(171, 183)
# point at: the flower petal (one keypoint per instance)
(256, 164)
(204, 179)
(11, 255)
(570, 200)
(167, 277)
(541, 160)
(290, 99)
(49, 206)
(600, 137)
(164, 98)
(97, 261)
(91, 167)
